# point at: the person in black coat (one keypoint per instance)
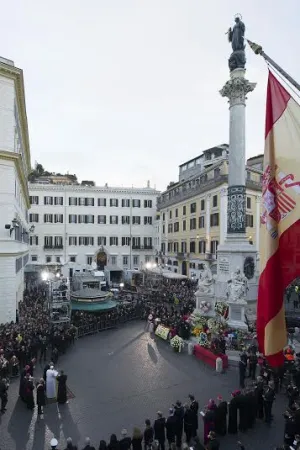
(29, 388)
(233, 413)
(3, 394)
(148, 434)
(188, 423)
(136, 440)
(23, 382)
(125, 442)
(159, 430)
(88, 445)
(258, 391)
(40, 396)
(221, 417)
(243, 412)
(178, 414)
(194, 406)
(171, 427)
(62, 388)
(242, 371)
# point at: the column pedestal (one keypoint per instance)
(237, 315)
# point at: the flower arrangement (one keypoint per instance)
(177, 343)
(196, 331)
(198, 320)
(215, 326)
(205, 306)
(203, 339)
(222, 309)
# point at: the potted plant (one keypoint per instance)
(177, 343)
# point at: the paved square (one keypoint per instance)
(120, 378)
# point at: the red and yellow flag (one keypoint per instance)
(280, 229)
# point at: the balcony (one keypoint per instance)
(53, 247)
(142, 247)
(182, 256)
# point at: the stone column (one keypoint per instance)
(236, 90)
(207, 223)
(257, 224)
(223, 215)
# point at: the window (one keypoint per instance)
(164, 217)
(34, 240)
(249, 220)
(202, 205)
(101, 240)
(248, 202)
(136, 203)
(147, 203)
(48, 218)
(170, 245)
(193, 208)
(89, 201)
(48, 242)
(184, 210)
(148, 242)
(86, 240)
(215, 201)
(114, 202)
(81, 201)
(113, 220)
(58, 200)
(184, 225)
(136, 242)
(136, 258)
(33, 218)
(136, 220)
(192, 247)
(48, 200)
(176, 227)
(85, 218)
(176, 212)
(34, 200)
(48, 259)
(170, 214)
(125, 220)
(214, 220)
(102, 220)
(125, 260)
(72, 218)
(125, 241)
(248, 175)
(147, 220)
(73, 259)
(89, 260)
(170, 228)
(163, 229)
(125, 202)
(163, 248)
(175, 247)
(57, 259)
(113, 240)
(58, 218)
(202, 247)
(34, 258)
(72, 240)
(113, 260)
(193, 224)
(148, 258)
(183, 247)
(214, 247)
(72, 201)
(101, 201)
(58, 241)
(201, 221)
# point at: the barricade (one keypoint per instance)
(85, 330)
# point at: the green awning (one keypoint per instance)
(93, 307)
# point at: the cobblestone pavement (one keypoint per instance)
(119, 378)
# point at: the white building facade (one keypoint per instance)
(14, 196)
(78, 227)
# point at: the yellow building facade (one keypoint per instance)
(193, 216)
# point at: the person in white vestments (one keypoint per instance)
(51, 375)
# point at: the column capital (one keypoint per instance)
(236, 90)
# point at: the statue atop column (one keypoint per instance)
(236, 34)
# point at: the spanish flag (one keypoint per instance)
(280, 228)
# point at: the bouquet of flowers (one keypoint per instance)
(196, 331)
(222, 309)
(203, 340)
(177, 343)
(215, 326)
(197, 320)
(205, 307)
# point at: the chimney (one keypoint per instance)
(148, 183)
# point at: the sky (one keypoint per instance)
(123, 91)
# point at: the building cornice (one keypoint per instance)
(16, 158)
(71, 188)
(16, 75)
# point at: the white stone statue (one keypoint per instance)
(237, 287)
(205, 282)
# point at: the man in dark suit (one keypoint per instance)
(171, 427)
(88, 445)
(221, 417)
(194, 407)
(159, 430)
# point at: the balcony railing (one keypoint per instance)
(53, 247)
(182, 256)
(142, 247)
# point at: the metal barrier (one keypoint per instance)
(86, 330)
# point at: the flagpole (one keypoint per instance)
(258, 50)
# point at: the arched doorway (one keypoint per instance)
(101, 259)
(184, 268)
